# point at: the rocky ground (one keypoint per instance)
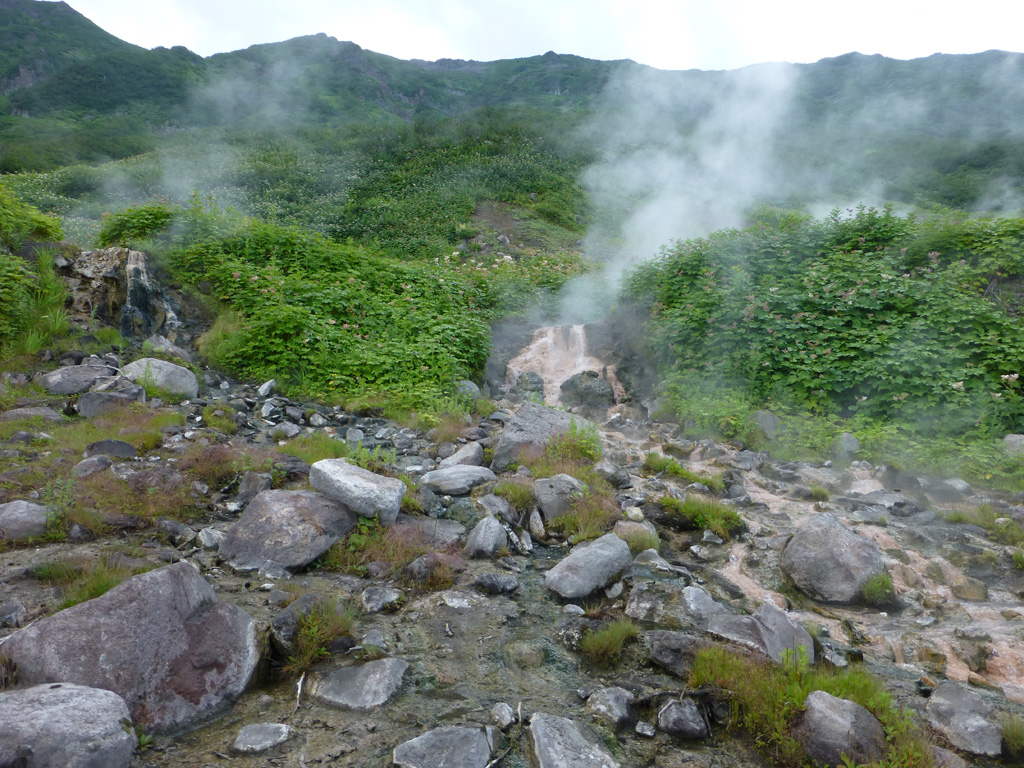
(471, 650)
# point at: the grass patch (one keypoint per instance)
(764, 699)
(77, 581)
(695, 513)
(639, 541)
(604, 645)
(147, 494)
(396, 546)
(878, 591)
(1001, 529)
(316, 447)
(1013, 734)
(220, 419)
(655, 464)
(324, 624)
(819, 493)
(449, 428)
(591, 515)
(518, 493)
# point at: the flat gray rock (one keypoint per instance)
(75, 379)
(290, 528)
(169, 377)
(682, 717)
(486, 539)
(557, 742)
(828, 562)
(769, 631)
(22, 520)
(93, 404)
(555, 494)
(261, 737)
(161, 640)
(66, 725)
(118, 449)
(32, 412)
(672, 606)
(458, 746)
(831, 727)
(365, 686)
(92, 465)
(589, 567)
(457, 480)
(966, 718)
(611, 706)
(529, 431)
(471, 455)
(376, 599)
(433, 532)
(365, 493)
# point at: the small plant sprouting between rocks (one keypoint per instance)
(819, 493)
(517, 493)
(695, 513)
(591, 515)
(639, 541)
(77, 582)
(655, 464)
(1013, 734)
(878, 591)
(324, 624)
(605, 645)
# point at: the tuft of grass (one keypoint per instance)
(324, 624)
(483, 407)
(77, 581)
(518, 493)
(1013, 734)
(695, 513)
(371, 542)
(878, 591)
(221, 465)
(605, 645)
(316, 447)
(640, 541)
(1018, 560)
(765, 698)
(819, 493)
(219, 419)
(449, 428)
(1001, 529)
(591, 515)
(657, 464)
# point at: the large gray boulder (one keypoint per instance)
(31, 412)
(161, 374)
(65, 725)
(589, 567)
(364, 492)
(456, 480)
(74, 379)
(667, 604)
(470, 455)
(22, 520)
(830, 563)
(290, 528)
(557, 742)
(362, 687)
(831, 727)
(555, 495)
(458, 745)
(161, 640)
(965, 717)
(768, 631)
(93, 404)
(529, 431)
(682, 717)
(486, 539)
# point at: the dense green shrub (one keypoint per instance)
(20, 222)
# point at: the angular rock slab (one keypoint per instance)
(966, 718)
(290, 528)
(460, 745)
(828, 562)
(161, 640)
(769, 631)
(831, 727)
(682, 717)
(470, 455)
(95, 403)
(612, 706)
(529, 431)
(557, 742)
(22, 520)
(589, 567)
(362, 687)
(261, 737)
(31, 412)
(74, 379)
(486, 539)
(169, 377)
(65, 725)
(667, 604)
(555, 494)
(365, 493)
(457, 480)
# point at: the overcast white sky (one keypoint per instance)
(684, 34)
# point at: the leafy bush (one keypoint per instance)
(135, 224)
(20, 222)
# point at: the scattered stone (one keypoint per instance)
(589, 567)
(167, 347)
(12, 613)
(967, 588)
(169, 377)
(290, 528)
(1014, 445)
(497, 583)
(682, 717)
(65, 725)
(261, 737)
(456, 480)
(645, 729)
(555, 495)
(376, 599)
(486, 539)
(673, 650)
(364, 492)
(495, 506)
(667, 604)
(210, 538)
(830, 563)
(23, 520)
(457, 745)
(118, 449)
(190, 653)
(830, 728)
(470, 455)
(264, 389)
(966, 718)
(363, 687)
(503, 716)
(557, 742)
(611, 706)
(89, 467)
(251, 484)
